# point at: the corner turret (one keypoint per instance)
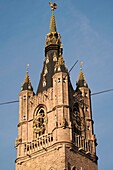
(81, 79)
(27, 83)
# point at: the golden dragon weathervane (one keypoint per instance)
(53, 6)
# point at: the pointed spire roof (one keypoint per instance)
(52, 24)
(27, 83)
(53, 62)
(52, 20)
(27, 78)
(53, 37)
(81, 79)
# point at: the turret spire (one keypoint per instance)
(52, 21)
(27, 78)
(27, 83)
(81, 75)
(81, 79)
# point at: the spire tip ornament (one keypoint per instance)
(81, 79)
(27, 83)
(53, 6)
(52, 21)
(27, 67)
(81, 64)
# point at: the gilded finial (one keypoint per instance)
(81, 75)
(53, 6)
(81, 64)
(81, 79)
(52, 21)
(27, 83)
(27, 67)
(27, 78)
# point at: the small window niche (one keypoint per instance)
(85, 94)
(24, 97)
(47, 59)
(59, 80)
(64, 79)
(44, 83)
(86, 108)
(54, 57)
(88, 127)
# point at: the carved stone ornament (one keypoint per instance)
(40, 121)
(78, 121)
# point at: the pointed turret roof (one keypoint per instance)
(27, 83)
(27, 78)
(81, 79)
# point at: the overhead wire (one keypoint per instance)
(16, 101)
(104, 91)
(73, 66)
(93, 94)
(9, 102)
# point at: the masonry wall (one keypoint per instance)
(79, 161)
(52, 159)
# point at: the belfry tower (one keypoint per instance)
(55, 128)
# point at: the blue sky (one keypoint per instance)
(86, 27)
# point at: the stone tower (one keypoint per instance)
(55, 128)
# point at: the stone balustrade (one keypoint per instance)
(41, 143)
(82, 144)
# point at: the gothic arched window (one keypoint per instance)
(40, 121)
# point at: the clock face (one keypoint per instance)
(78, 121)
(40, 121)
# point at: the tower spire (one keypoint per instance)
(81, 79)
(81, 75)
(27, 78)
(53, 37)
(53, 55)
(52, 20)
(27, 83)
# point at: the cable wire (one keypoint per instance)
(105, 91)
(16, 101)
(73, 66)
(9, 102)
